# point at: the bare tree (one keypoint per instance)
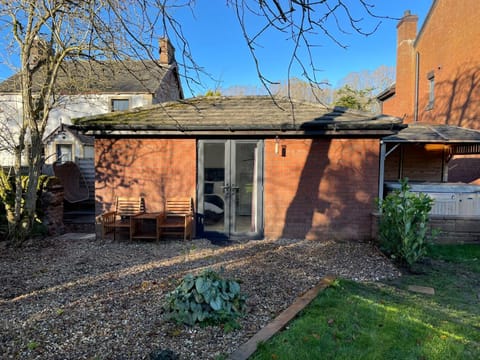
(47, 34)
(302, 90)
(305, 24)
(378, 79)
(243, 90)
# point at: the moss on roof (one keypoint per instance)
(237, 113)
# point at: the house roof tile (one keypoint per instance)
(93, 77)
(237, 114)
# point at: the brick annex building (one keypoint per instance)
(257, 167)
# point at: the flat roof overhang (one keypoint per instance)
(455, 140)
(440, 134)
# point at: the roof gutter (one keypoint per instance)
(214, 128)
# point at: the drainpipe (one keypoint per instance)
(417, 75)
(381, 175)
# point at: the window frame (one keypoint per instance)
(120, 99)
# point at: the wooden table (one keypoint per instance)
(146, 226)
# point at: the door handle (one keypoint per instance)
(230, 190)
(226, 190)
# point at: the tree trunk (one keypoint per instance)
(35, 169)
(15, 227)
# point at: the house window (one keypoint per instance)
(64, 153)
(431, 90)
(120, 104)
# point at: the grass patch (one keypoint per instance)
(386, 321)
(467, 255)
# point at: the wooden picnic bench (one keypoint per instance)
(178, 219)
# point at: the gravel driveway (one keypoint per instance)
(75, 297)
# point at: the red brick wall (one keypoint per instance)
(449, 50)
(420, 163)
(320, 188)
(153, 168)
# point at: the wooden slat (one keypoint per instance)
(179, 217)
(125, 207)
(130, 206)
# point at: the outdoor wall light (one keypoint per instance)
(280, 149)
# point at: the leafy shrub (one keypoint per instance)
(206, 299)
(7, 197)
(403, 229)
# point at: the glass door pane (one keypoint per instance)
(230, 187)
(244, 187)
(213, 188)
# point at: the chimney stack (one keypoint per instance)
(167, 51)
(407, 27)
(405, 77)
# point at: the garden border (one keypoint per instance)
(248, 348)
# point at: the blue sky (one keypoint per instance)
(218, 46)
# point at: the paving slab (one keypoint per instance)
(422, 289)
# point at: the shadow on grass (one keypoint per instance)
(386, 321)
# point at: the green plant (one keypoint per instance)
(32, 345)
(381, 320)
(206, 299)
(7, 197)
(403, 229)
(213, 93)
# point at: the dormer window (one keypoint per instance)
(120, 104)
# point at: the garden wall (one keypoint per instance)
(452, 229)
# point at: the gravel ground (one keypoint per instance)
(74, 297)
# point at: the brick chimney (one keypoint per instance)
(405, 77)
(167, 52)
(407, 28)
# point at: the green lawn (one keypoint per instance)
(387, 321)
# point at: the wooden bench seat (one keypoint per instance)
(178, 218)
(120, 218)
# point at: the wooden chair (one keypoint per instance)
(125, 208)
(178, 218)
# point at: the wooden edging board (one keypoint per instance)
(248, 348)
